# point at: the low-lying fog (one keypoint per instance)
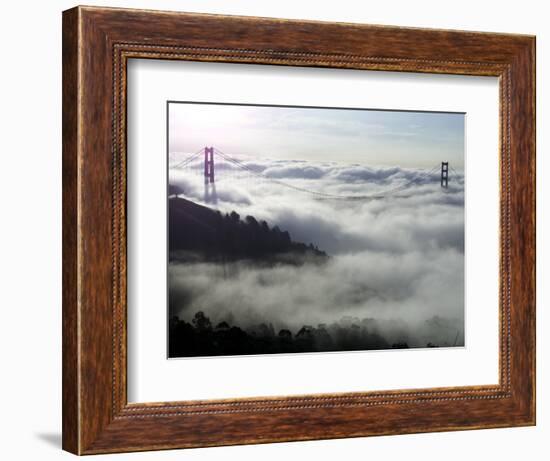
(397, 259)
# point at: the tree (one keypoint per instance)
(201, 322)
(222, 326)
(174, 190)
(285, 334)
(286, 238)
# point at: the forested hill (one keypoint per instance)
(212, 235)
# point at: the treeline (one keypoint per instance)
(201, 338)
(198, 229)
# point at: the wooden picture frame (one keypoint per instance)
(97, 43)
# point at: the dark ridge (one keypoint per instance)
(198, 231)
(200, 338)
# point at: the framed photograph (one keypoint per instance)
(281, 230)
(313, 264)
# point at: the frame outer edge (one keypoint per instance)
(522, 190)
(534, 213)
(70, 177)
(533, 181)
(90, 422)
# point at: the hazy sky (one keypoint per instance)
(370, 137)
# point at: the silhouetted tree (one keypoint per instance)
(251, 221)
(222, 326)
(198, 338)
(201, 322)
(174, 190)
(285, 334)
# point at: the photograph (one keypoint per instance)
(313, 229)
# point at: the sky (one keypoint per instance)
(369, 137)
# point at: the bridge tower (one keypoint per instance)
(444, 174)
(210, 194)
(208, 165)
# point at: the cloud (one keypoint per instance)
(303, 172)
(397, 251)
(409, 290)
(362, 173)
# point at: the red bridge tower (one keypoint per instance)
(208, 165)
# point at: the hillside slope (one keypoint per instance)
(210, 235)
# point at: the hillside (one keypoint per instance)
(199, 231)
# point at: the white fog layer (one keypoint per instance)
(394, 237)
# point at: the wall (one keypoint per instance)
(30, 247)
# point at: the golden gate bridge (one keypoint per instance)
(210, 163)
